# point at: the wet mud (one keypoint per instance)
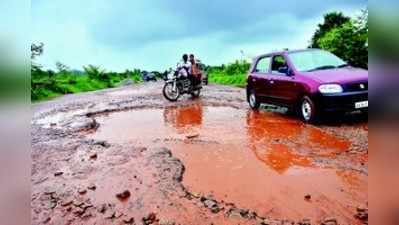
(264, 161)
(136, 159)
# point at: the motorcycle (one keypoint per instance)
(177, 85)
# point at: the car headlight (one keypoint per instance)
(330, 88)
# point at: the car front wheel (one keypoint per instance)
(253, 101)
(307, 110)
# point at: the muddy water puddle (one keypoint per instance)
(262, 161)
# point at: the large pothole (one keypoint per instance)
(266, 162)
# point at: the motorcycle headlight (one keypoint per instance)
(330, 88)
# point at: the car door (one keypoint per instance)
(283, 87)
(259, 77)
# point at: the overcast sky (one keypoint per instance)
(153, 34)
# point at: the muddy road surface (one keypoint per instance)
(128, 156)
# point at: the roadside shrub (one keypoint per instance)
(49, 84)
(233, 74)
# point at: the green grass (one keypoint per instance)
(237, 80)
(46, 85)
(233, 74)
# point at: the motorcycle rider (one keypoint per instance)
(184, 66)
(184, 79)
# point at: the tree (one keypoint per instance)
(95, 72)
(362, 22)
(36, 50)
(62, 68)
(349, 41)
(331, 20)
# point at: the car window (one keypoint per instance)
(315, 59)
(278, 62)
(263, 65)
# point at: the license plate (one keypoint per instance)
(364, 104)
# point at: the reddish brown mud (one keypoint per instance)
(126, 156)
(263, 161)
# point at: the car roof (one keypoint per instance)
(286, 52)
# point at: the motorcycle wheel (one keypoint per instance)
(169, 94)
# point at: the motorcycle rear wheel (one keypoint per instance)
(196, 93)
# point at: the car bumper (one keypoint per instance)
(342, 101)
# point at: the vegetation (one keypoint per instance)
(46, 84)
(348, 39)
(331, 20)
(234, 74)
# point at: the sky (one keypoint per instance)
(153, 34)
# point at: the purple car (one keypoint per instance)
(308, 82)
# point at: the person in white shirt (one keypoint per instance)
(184, 66)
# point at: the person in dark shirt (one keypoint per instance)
(195, 72)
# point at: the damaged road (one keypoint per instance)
(127, 156)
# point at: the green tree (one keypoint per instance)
(36, 50)
(95, 72)
(62, 68)
(331, 20)
(349, 41)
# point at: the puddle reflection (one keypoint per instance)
(266, 132)
(260, 160)
(280, 157)
(276, 140)
(183, 118)
(283, 142)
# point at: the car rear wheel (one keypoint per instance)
(253, 101)
(307, 110)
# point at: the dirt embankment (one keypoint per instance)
(126, 156)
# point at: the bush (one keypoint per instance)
(234, 74)
(49, 84)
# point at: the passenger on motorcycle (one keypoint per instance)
(186, 79)
(195, 73)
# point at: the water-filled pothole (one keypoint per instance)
(258, 160)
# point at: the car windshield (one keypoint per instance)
(315, 60)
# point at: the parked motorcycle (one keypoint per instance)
(177, 85)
